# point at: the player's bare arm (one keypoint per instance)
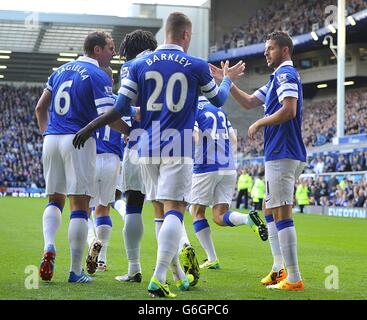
(284, 114)
(42, 110)
(85, 133)
(120, 126)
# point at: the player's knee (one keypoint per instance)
(218, 219)
(198, 215)
(58, 200)
(198, 212)
(102, 211)
(135, 198)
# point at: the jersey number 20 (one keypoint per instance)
(152, 105)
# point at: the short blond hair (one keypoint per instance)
(176, 24)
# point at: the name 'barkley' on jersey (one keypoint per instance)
(78, 89)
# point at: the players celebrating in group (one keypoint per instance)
(160, 88)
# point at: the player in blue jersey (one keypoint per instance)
(214, 178)
(109, 155)
(165, 84)
(135, 45)
(142, 42)
(74, 93)
(285, 155)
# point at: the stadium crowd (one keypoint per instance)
(332, 192)
(294, 16)
(20, 141)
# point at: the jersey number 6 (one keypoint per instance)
(63, 94)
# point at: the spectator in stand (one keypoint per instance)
(359, 198)
(339, 199)
(244, 186)
(324, 194)
(314, 195)
(302, 195)
(332, 184)
(341, 164)
(319, 167)
(330, 164)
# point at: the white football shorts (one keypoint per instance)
(119, 179)
(107, 172)
(280, 179)
(67, 170)
(167, 180)
(212, 188)
(131, 171)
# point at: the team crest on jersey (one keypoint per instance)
(282, 78)
(108, 90)
(124, 72)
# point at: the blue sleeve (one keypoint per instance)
(223, 92)
(286, 84)
(128, 94)
(122, 105)
(102, 92)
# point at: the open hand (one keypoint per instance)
(217, 73)
(253, 129)
(81, 137)
(235, 71)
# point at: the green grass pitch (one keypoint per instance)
(244, 258)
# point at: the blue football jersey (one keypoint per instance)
(213, 151)
(166, 85)
(283, 140)
(111, 141)
(78, 88)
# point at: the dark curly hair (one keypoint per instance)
(137, 42)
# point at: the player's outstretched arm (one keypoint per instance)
(85, 133)
(244, 99)
(42, 110)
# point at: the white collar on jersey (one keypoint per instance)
(285, 63)
(88, 59)
(141, 54)
(169, 47)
